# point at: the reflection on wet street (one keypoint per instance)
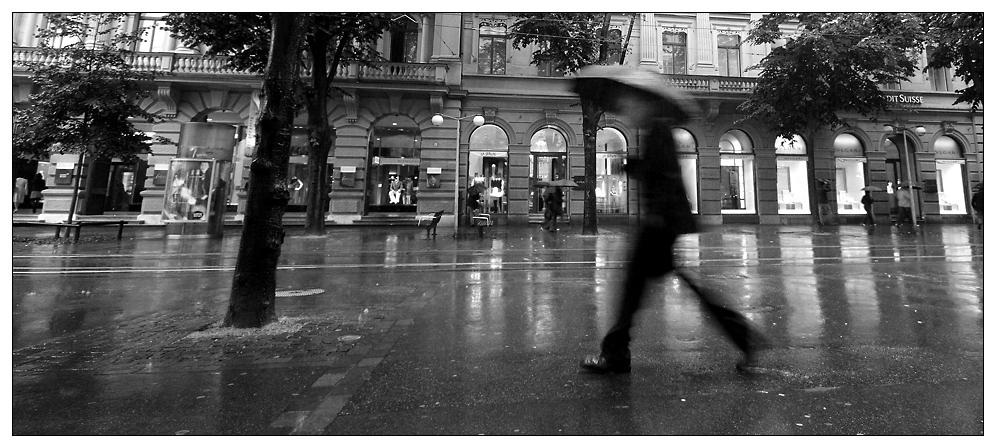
(874, 332)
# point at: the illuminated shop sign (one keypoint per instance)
(904, 99)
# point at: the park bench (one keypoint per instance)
(76, 226)
(431, 221)
(481, 220)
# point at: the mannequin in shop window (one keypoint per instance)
(497, 191)
(395, 193)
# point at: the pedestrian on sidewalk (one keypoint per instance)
(977, 204)
(553, 198)
(667, 212)
(867, 201)
(37, 186)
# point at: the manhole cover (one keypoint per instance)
(349, 338)
(299, 292)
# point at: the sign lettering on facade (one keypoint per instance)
(904, 99)
(851, 160)
(491, 154)
(406, 161)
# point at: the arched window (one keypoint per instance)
(687, 150)
(547, 162)
(611, 183)
(950, 165)
(737, 173)
(487, 166)
(850, 161)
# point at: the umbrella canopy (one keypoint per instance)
(541, 184)
(609, 80)
(562, 183)
(872, 188)
(907, 185)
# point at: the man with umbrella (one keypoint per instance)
(867, 201)
(643, 98)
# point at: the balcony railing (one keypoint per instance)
(712, 83)
(194, 64)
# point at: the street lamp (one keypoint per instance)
(437, 120)
(920, 131)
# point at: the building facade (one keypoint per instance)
(391, 159)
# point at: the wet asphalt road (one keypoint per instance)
(875, 332)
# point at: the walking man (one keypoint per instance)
(667, 214)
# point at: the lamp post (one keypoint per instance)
(920, 131)
(437, 120)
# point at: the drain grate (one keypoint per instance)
(299, 292)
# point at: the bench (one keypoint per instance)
(432, 221)
(76, 225)
(481, 220)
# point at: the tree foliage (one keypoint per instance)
(957, 40)
(833, 63)
(88, 95)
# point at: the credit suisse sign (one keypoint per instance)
(904, 99)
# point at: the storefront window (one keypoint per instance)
(488, 166)
(395, 158)
(950, 178)
(850, 174)
(737, 173)
(793, 178)
(688, 162)
(547, 162)
(610, 179)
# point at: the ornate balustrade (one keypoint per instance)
(194, 64)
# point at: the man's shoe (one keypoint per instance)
(598, 364)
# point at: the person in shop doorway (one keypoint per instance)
(37, 187)
(904, 199)
(474, 203)
(406, 191)
(554, 200)
(20, 192)
(867, 201)
(667, 215)
(977, 204)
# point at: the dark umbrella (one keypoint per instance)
(541, 184)
(908, 185)
(872, 188)
(608, 80)
(562, 183)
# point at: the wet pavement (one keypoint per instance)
(385, 332)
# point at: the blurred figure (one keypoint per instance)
(904, 200)
(638, 97)
(977, 204)
(20, 192)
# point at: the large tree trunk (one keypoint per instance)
(319, 134)
(252, 301)
(591, 113)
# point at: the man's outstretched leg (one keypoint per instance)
(745, 335)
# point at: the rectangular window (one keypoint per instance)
(940, 79)
(729, 54)
(610, 184)
(951, 187)
(154, 37)
(793, 186)
(491, 54)
(673, 53)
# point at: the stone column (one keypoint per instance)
(705, 63)
(648, 40)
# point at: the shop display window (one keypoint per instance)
(793, 186)
(850, 179)
(951, 187)
(611, 183)
(736, 174)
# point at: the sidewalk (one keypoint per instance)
(385, 332)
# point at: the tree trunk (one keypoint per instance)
(320, 135)
(252, 301)
(591, 113)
